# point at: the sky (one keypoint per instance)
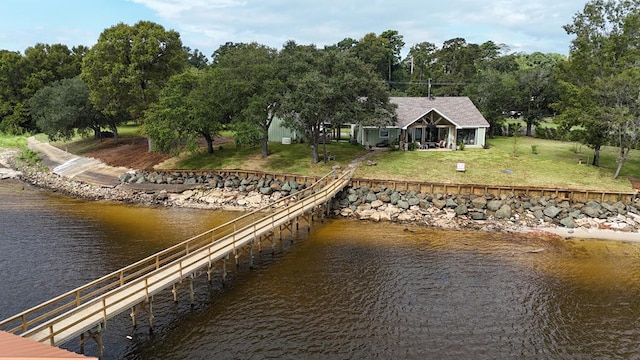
(523, 25)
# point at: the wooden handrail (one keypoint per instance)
(129, 274)
(185, 265)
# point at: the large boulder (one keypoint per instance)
(461, 209)
(552, 211)
(494, 205)
(402, 204)
(439, 204)
(394, 197)
(479, 202)
(591, 211)
(568, 222)
(451, 203)
(384, 197)
(478, 215)
(504, 212)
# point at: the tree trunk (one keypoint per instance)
(596, 156)
(620, 160)
(314, 153)
(529, 125)
(114, 130)
(324, 147)
(618, 168)
(209, 139)
(265, 135)
(264, 145)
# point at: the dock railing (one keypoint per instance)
(142, 276)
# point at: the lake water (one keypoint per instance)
(348, 289)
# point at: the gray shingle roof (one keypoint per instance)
(459, 110)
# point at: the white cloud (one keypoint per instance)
(523, 25)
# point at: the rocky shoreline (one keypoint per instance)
(507, 213)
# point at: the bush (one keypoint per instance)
(412, 146)
(29, 157)
(460, 145)
(543, 132)
(514, 129)
(534, 149)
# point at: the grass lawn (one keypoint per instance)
(81, 145)
(12, 141)
(555, 165)
(291, 158)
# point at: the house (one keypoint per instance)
(429, 122)
(278, 132)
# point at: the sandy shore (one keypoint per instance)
(581, 233)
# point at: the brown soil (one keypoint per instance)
(635, 182)
(132, 153)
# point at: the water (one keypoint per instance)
(347, 290)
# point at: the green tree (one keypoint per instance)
(63, 108)
(196, 58)
(493, 94)
(535, 93)
(194, 104)
(421, 59)
(376, 51)
(21, 76)
(13, 74)
(129, 65)
(604, 51)
(336, 88)
(255, 83)
(455, 66)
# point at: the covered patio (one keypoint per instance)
(431, 131)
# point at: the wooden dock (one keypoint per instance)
(85, 311)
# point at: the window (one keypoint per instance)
(467, 136)
(384, 133)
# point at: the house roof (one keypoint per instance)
(459, 110)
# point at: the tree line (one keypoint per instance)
(144, 73)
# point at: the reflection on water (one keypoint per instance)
(348, 290)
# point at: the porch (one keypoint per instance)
(428, 136)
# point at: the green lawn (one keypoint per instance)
(12, 141)
(291, 158)
(555, 165)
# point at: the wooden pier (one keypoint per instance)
(84, 312)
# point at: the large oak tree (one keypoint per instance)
(63, 108)
(255, 78)
(329, 89)
(129, 65)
